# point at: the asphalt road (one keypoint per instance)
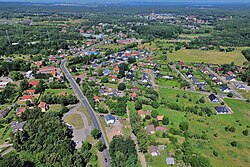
(85, 102)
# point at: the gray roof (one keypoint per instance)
(170, 161)
(16, 126)
(109, 117)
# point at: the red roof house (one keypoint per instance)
(34, 83)
(27, 98)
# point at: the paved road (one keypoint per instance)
(80, 135)
(85, 102)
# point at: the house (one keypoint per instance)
(17, 126)
(116, 69)
(212, 77)
(27, 98)
(230, 73)
(239, 85)
(161, 147)
(195, 80)
(225, 89)
(109, 119)
(230, 78)
(170, 161)
(150, 129)
(153, 150)
(133, 95)
(161, 128)
(168, 77)
(213, 98)
(29, 74)
(160, 117)
(3, 84)
(106, 72)
(20, 111)
(39, 63)
(4, 113)
(34, 83)
(189, 74)
(141, 113)
(96, 98)
(31, 91)
(222, 110)
(43, 106)
(113, 78)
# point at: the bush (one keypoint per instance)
(154, 113)
(234, 144)
(230, 94)
(245, 132)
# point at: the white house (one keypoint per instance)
(3, 84)
(170, 161)
(109, 119)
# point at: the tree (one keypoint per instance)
(230, 94)
(105, 80)
(86, 146)
(24, 84)
(100, 146)
(154, 113)
(138, 105)
(121, 86)
(245, 132)
(95, 133)
(234, 143)
(131, 59)
(155, 104)
(165, 121)
(183, 126)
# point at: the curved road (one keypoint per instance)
(85, 102)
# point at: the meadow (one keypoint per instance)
(214, 57)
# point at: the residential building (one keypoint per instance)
(170, 161)
(153, 150)
(109, 119)
(4, 112)
(213, 98)
(222, 110)
(16, 126)
(150, 129)
(43, 106)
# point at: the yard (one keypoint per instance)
(75, 120)
(214, 57)
(57, 91)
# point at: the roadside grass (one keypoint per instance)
(214, 57)
(244, 93)
(86, 113)
(57, 91)
(75, 120)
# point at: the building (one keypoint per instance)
(170, 161)
(239, 86)
(213, 98)
(161, 128)
(34, 83)
(4, 113)
(27, 98)
(141, 113)
(31, 91)
(150, 129)
(133, 95)
(225, 89)
(222, 110)
(3, 84)
(43, 106)
(153, 150)
(160, 117)
(109, 119)
(96, 98)
(16, 126)
(20, 111)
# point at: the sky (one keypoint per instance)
(108, 1)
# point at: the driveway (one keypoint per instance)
(80, 135)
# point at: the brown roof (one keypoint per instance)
(27, 97)
(34, 82)
(42, 105)
(133, 94)
(150, 128)
(141, 112)
(160, 117)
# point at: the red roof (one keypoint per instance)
(34, 82)
(38, 63)
(30, 91)
(96, 98)
(27, 97)
(141, 112)
(42, 105)
(160, 117)
(47, 69)
(133, 94)
(230, 73)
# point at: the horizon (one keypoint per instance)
(128, 1)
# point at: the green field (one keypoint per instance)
(192, 36)
(57, 91)
(75, 120)
(215, 57)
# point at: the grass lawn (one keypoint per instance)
(55, 107)
(110, 85)
(86, 113)
(215, 57)
(75, 120)
(167, 82)
(244, 94)
(228, 155)
(57, 91)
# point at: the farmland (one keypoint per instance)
(214, 57)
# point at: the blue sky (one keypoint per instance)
(108, 1)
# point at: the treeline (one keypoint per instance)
(17, 65)
(52, 146)
(63, 100)
(163, 31)
(126, 149)
(235, 32)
